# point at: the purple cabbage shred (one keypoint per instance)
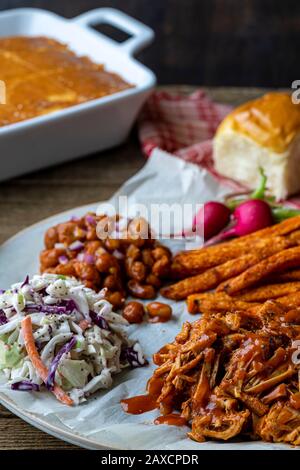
(45, 308)
(3, 318)
(131, 356)
(55, 362)
(99, 320)
(26, 281)
(25, 386)
(65, 306)
(70, 305)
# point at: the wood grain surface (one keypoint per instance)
(28, 199)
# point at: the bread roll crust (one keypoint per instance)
(272, 121)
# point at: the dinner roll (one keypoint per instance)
(261, 133)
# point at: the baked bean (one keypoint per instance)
(81, 223)
(91, 285)
(127, 240)
(140, 242)
(66, 232)
(112, 244)
(117, 299)
(48, 270)
(138, 271)
(104, 262)
(153, 280)
(72, 254)
(150, 242)
(92, 247)
(159, 312)
(161, 251)
(100, 251)
(86, 272)
(50, 258)
(144, 259)
(112, 282)
(65, 269)
(135, 269)
(91, 234)
(133, 252)
(133, 312)
(128, 264)
(51, 237)
(114, 270)
(79, 233)
(147, 257)
(141, 291)
(161, 267)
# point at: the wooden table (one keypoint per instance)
(28, 199)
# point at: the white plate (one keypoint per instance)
(19, 257)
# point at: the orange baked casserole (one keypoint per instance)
(42, 75)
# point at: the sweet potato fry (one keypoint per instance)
(178, 271)
(292, 300)
(283, 260)
(268, 292)
(213, 255)
(214, 276)
(294, 237)
(205, 260)
(219, 302)
(288, 276)
(284, 228)
(209, 279)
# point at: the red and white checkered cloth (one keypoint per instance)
(185, 125)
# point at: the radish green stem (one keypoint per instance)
(259, 192)
(234, 203)
(282, 213)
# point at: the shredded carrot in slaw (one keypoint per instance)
(37, 362)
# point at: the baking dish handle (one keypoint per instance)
(141, 34)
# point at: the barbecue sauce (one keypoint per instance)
(139, 404)
(295, 400)
(143, 403)
(171, 419)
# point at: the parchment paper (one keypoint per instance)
(164, 178)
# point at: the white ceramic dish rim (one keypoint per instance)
(141, 39)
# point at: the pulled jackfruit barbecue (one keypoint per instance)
(233, 374)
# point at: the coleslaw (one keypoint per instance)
(56, 332)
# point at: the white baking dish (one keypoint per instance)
(87, 127)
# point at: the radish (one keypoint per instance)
(211, 218)
(248, 217)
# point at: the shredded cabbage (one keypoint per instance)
(79, 359)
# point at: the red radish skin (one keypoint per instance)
(248, 217)
(211, 219)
